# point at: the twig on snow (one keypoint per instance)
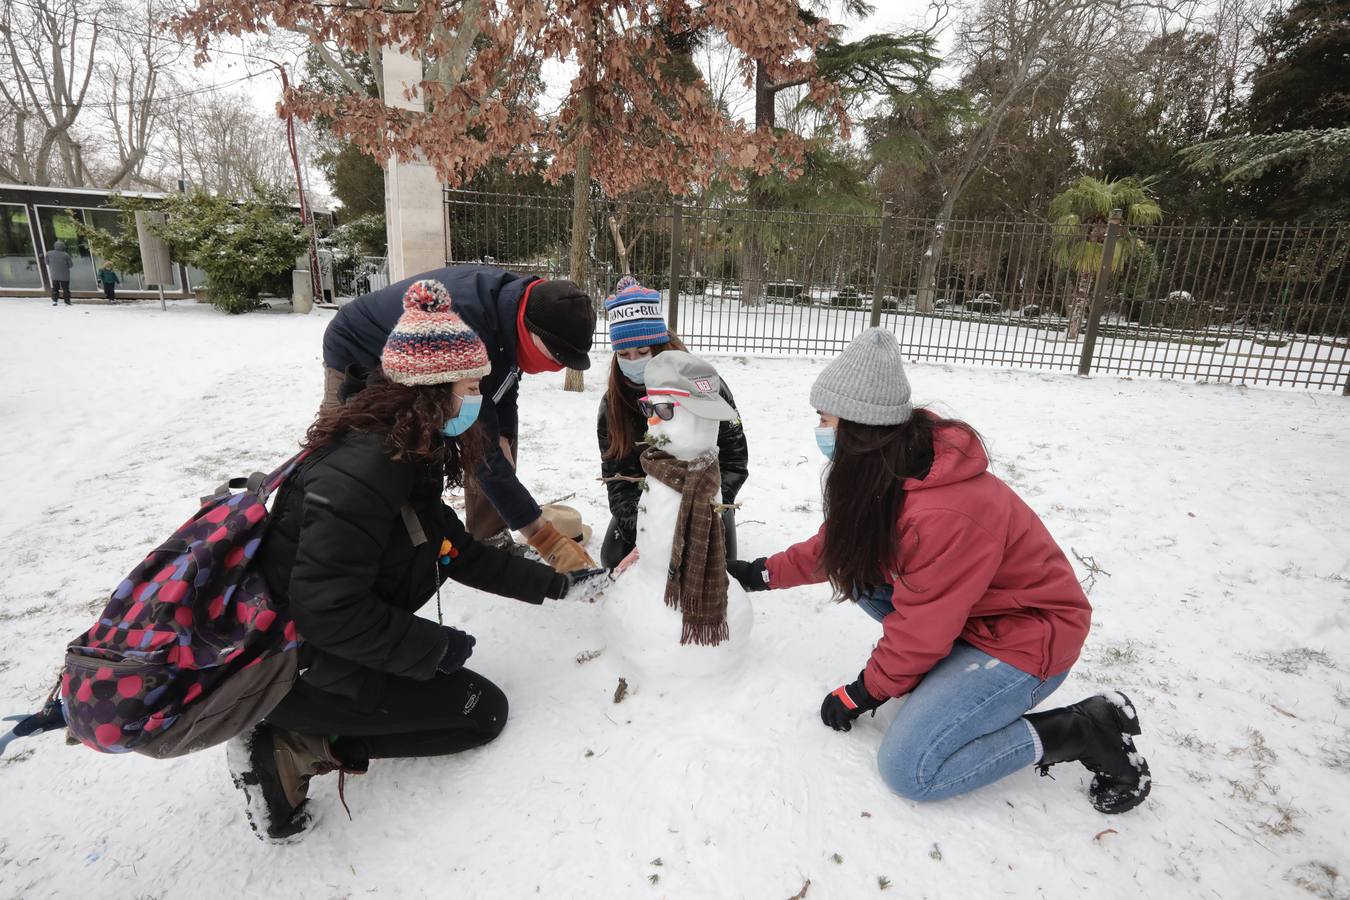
(806, 886)
(1093, 570)
(1249, 837)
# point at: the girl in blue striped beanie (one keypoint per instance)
(637, 332)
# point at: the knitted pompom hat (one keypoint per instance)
(430, 344)
(866, 383)
(634, 314)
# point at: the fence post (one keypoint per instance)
(676, 263)
(883, 258)
(1099, 291)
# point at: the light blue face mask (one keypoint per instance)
(468, 414)
(825, 441)
(634, 369)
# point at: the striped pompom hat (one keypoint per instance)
(634, 314)
(430, 344)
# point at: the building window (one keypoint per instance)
(113, 222)
(57, 224)
(18, 258)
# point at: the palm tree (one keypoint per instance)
(1081, 213)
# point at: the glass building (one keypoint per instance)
(33, 219)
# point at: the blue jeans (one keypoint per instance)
(962, 727)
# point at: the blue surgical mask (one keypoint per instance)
(633, 369)
(468, 414)
(825, 441)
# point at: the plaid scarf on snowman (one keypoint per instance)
(696, 582)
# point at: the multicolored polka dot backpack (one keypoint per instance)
(190, 649)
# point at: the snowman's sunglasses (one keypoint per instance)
(664, 410)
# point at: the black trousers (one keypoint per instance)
(60, 287)
(619, 544)
(110, 291)
(447, 714)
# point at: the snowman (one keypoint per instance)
(672, 613)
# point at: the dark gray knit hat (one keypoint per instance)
(866, 383)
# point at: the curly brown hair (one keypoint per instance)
(410, 418)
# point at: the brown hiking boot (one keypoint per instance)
(273, 768)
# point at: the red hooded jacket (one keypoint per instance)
(976, 564)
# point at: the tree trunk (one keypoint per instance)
(1078, 306)
(752, 250)
(581, 214)
(620, 249)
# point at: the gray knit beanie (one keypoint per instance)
(866, 383)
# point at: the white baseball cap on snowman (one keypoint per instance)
(689, 382)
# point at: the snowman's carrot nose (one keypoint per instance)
(653, 420)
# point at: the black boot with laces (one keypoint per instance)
(1098, 732)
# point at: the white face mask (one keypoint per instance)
(633, 369)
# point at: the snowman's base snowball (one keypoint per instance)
(642, 634)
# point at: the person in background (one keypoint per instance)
(638, 334)
(529, 326)
(58, 270)
(359, 540)
(981, 613)
(109, 279)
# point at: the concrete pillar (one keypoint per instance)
(414, 207)
(302, 290)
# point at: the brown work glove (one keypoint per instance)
(562, 553)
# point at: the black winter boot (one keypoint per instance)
(1098, 732)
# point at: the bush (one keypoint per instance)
(847, 298)
(246, 249)
(790, 291)
(983, 306)
(362, 236)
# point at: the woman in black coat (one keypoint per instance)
(638, 333)
(359, 540)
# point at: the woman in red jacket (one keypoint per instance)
(981, 614)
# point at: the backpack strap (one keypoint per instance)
(271, 482)
(413, 524)
(260, 483)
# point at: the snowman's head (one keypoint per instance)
(684, 405)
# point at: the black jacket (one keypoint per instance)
(339, 556)
(487, 300)
(733, 459)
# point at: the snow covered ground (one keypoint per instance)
(1219, 512)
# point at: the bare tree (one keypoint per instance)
(1024, 43)
(133, 79)
(217, 142)
(46, 66)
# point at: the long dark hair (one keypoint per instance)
(409, 418)
(865, 493)
(621, 402)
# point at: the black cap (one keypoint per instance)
(563, 316)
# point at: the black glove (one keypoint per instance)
(845, 703)
(564, 581)
(753, 576)
(458, 649)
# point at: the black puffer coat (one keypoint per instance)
(487, 299)
(339, 555)
(733, 458)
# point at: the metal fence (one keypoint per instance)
(1256, 304)
(359, 275)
